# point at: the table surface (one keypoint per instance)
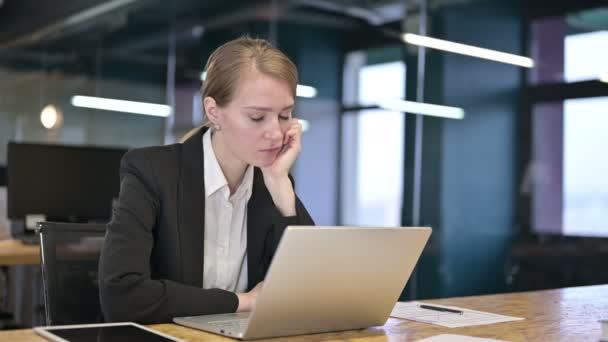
(14, 252)
(570, 314)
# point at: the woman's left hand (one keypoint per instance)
(288, 153)
(276, 175)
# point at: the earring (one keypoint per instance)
(217, 128)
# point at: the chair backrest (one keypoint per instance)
(69, 259)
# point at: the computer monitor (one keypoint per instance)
(2, 176)
(62, 183)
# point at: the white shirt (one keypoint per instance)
(225, 263)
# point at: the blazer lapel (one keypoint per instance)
(191, 210)
(256, 229)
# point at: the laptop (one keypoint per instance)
(325, 279)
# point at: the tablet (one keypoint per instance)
(128, 332)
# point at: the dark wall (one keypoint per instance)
(427, 280)
(318, 55)
(469, 166)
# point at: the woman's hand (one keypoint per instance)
(288, 153)
(276, 175)
(247, 300)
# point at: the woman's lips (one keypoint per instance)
(271, 150)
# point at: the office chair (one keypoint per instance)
(69, 260)
(5, 317)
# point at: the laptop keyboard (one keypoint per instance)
(232, 324)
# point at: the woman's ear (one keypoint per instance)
(211, 110)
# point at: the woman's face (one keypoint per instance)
(253, 124)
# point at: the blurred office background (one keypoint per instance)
(511, 173)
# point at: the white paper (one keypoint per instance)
(457, 338)
(412, 311)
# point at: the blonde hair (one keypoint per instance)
(228, 62)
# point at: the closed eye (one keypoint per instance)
(285, 115)
(261, 118)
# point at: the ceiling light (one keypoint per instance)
(468, 50)
(50, 117)
(422, 108)
(305, 125)
(122, 105)
(306, 91)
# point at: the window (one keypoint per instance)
(567, 172)
(372, 140)
(583, 59)
(585, 179)
(570, 48)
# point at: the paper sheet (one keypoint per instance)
(457, 338)
(413, 312)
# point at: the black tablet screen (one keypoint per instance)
(126, 333)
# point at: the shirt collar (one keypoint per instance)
(214, 176)
(244, 190)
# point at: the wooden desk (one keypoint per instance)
(569, 314)
(14, 252)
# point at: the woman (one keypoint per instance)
(197, 223)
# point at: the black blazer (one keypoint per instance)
(151, 265)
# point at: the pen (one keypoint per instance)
(437, 308)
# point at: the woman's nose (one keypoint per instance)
(274, 131)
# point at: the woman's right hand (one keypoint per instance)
(247, 300)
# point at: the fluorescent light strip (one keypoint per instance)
(121, 105)
(422, 108)
(301, 90)
(97, 11)
(305, 124)
(306, 91)
(604, 78)
(468, 50)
